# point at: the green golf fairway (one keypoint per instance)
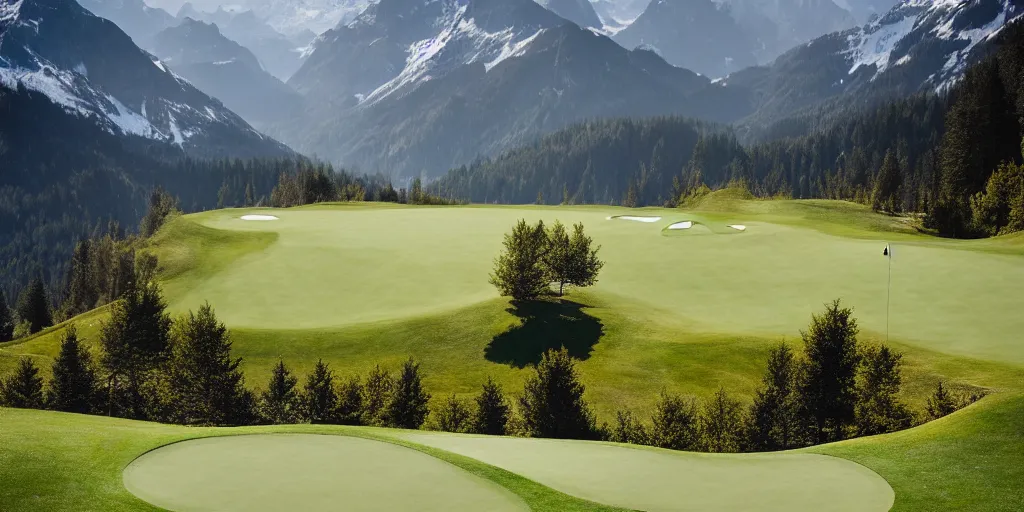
(308, 472)
(329, 267)
(660, 480)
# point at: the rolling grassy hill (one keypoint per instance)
(684, 310)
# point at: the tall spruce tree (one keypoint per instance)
(773, 421)
(629, 429)
(319, 399)
(675, 423)
(492, 410)
(73, 387)
(135, 342)
(82, 293)
(279, 403)
(376, 394)
(205, 384)
(350, 402)
(407, 407)
(24, 388)
(879, 409)
(6, 320)
(888, 184)
(552, 403)
(828, 385)
(518, 271)
(34, 306)
(942, 402)
(721, 424)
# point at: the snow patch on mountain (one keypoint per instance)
(460, 42)
(874, 44)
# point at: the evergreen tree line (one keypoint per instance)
(954, 156)
(151, 367)
(321, 184)
(835, 389)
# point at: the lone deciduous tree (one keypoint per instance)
(492, 410)
(571, 260)
(519, 271)
(552, 404)
(279, 403)
(24, 389)
(828, 385)
(73, 387)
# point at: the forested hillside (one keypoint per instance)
(927, 153)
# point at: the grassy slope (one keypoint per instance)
(648, 342)
(53, 461)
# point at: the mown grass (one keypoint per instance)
(362, 285)
(54, 461)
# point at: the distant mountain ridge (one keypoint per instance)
(412, 87)
(93, 70)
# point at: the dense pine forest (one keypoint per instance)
(931, 153)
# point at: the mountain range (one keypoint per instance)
(413, 87)
(93, 70)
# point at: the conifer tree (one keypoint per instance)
(492, 410)
(407, 407)
(23, 389)
(6, 320)
(135, 341)
(82, 294)
(205, 384)
(279, 403)
(675, 423)
(552, 404)
(73, 387)
(452, 415)
(628, 429)
(722, 424)
(942, 402)
(350, 402)
(886, 196)
(34, 306)
(376, 394)
(828, 385)
(319, 400)
(519, 271)
(879, 409)
(773, 422)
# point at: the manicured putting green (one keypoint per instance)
(340, 266)
(656, 480)
(306, 472)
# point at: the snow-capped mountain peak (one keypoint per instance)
(956, 27)
(91, 69)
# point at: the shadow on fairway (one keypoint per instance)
(546, 324)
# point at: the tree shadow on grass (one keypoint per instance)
(546, 324)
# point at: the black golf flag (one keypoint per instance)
(886, 251)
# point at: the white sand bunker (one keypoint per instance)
(258, 217)
(636, 219)
(682, 225)
(738, 227)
